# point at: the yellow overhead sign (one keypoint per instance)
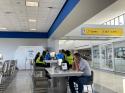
(103, 31)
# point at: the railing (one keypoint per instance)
(7, 73)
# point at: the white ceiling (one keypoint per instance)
(15, 15)
(72, 39)
(109, 13)
(112, 11)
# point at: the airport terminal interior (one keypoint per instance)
(50, 46)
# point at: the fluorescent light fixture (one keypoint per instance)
(33, 29)
(2, 28)
(32, 20)
(31, 3)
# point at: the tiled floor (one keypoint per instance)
(108, 82)
(21, 84)
(105, 82)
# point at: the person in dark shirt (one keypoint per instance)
(44, 54)
(47, 56)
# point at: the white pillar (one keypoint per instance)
(53, 45)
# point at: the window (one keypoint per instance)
(108, 23)
(116, 21)
(112, 22)
(105, 23)
(121, 20)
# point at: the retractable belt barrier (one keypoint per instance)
(7, 73)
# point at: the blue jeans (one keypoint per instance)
(81, 80)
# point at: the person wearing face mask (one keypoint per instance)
(79, 64)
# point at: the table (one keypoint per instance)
(52, 62)
(61, 77)
(61, 73)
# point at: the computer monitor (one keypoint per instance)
(64, 66)
(60, 62)
(52, 54)
(1, 56)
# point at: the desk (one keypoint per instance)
(51, 61)
(63, 73)
(61, 77)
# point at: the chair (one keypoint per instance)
(40, 82)
(90, 83)
(7, 74)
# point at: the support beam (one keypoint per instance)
(83, 11)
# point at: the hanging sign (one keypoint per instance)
(103, 31)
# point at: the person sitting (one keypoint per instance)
(69, 58)
(60, 55)
(40, 62)
(44, 54)
(79, 64)
(37, 55)
(47, 56)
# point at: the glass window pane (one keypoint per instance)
(121, 20)
(108, 23)
(124, 18)
(112, 22)
(116, 21)
(105, 24)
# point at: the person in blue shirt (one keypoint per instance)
(47, 56)
(60, 55)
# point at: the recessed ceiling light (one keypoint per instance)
(31, 3)
(2, 28)
(32, 20)
(32, 29)
(18, 2)
(8, 12)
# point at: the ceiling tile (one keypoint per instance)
(14, 15)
